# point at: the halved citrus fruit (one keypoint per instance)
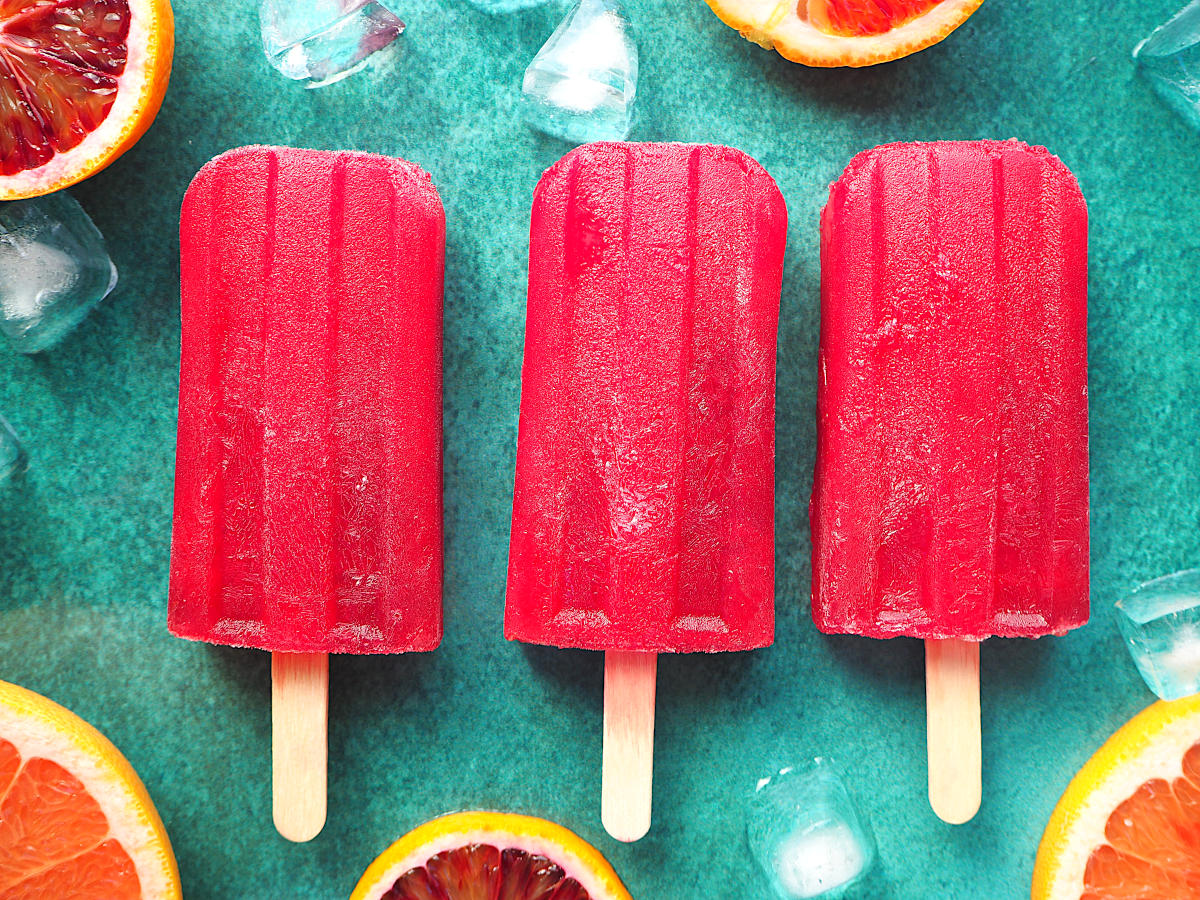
(75, 821)
(490, 856)
(844, 32)
(80, 82)
(1128, 825)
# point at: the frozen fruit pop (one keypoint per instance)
(308, 513)
(951, 490)
(643, 512)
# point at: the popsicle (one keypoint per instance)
(308, 512)
(951, 490)
(643, 512)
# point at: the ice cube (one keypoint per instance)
(53, 269)
(806, 833)
(12, 455)
(1170, 60)
(1160, 622)
(582, 85)
(323, 41)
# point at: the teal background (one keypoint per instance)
(84, 535)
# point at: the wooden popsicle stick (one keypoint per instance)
(952, 713)
(628, 768)
(299, 742)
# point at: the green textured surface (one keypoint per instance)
(84, 535)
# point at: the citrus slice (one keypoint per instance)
(490, 856)
(844, 32)
(75, 821)
(80, 82)
(1128, 825)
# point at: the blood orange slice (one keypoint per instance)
(75, 821)
(844, 32)
(493, 856)
(1128, 825)
(80, 82)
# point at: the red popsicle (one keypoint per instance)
(643, 514)
(951, 492)
(308, 514)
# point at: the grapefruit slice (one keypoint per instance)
(75, 821)
(490, 856)
(844, 32)
(80, 82)
(1128, 825)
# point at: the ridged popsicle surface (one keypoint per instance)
(308, 511)
(643, 512)
(951, 489)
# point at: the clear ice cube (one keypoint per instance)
(53, 269)
(12, 455)
(1170, 60)
(323, 41)
(582, 85)
(1160, 622)
(806, 833)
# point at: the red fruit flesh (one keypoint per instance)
(483, 872)
(59, 65)
(527, 877)
(862, 18)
